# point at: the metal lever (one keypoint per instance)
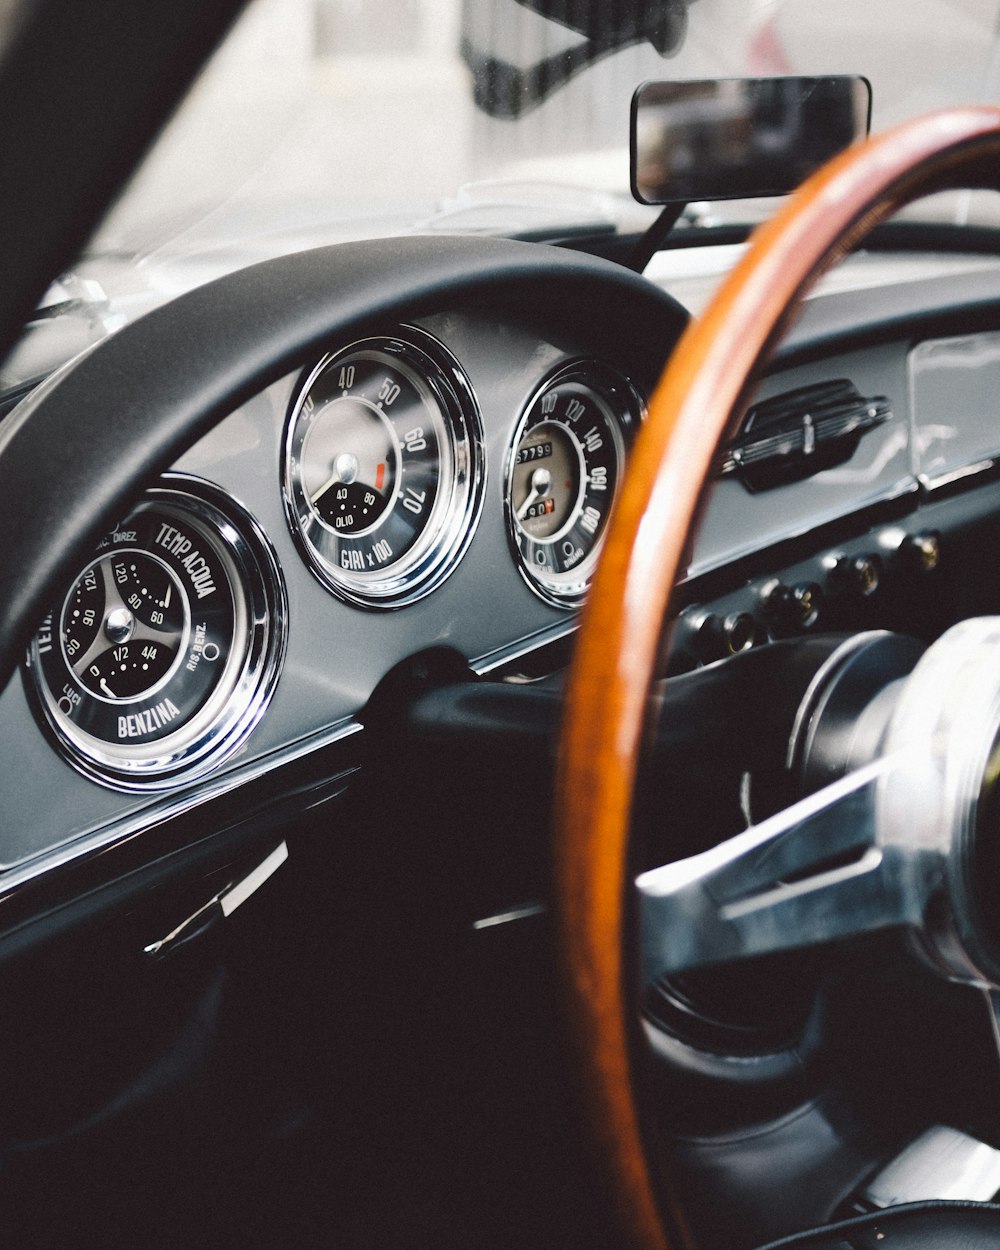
(223, 904)
(941, 1165)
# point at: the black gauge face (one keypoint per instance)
(161, 647)
(381, 471)
(563, 475)
(123, 625)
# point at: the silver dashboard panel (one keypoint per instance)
(337, 653)
(956, 400)
(738, 521)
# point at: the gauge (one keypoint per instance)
(562, 475)
(165, 649)
(383, 478)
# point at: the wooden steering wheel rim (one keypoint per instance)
(694, 409)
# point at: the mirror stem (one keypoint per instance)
(655, 236)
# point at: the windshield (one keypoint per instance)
(321, 120)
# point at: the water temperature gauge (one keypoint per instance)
(166, 647)
(119, 636)
(562, 476)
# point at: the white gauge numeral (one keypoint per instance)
(413, 500)
(345, 379)
(574, 410)
(590, 518)
(592, 440)
(388, 392)
(414, 440)
(599, 477)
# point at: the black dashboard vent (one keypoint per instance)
(800, 433)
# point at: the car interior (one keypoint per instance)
(501, 727)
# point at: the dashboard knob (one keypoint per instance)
(924, 551)
(859, 575)
(740, 631)
(717, 637)
(793, 608)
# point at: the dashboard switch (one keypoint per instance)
(740, 631)
(793, 608)
(924, 551)
(717, 637)
(858, 575)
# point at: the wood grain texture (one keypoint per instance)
(695, 408)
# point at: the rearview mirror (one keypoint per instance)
(732, 138)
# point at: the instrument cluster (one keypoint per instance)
(165, 651)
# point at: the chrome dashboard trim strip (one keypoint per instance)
(964, 473)
(493, 660)
(527, 912)
(171, 807)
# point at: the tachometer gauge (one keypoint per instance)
(164, 652)
(562, 476)
(383, 469)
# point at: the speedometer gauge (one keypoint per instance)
(164, 652)
(382, 469)
(562, 476)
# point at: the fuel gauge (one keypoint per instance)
(166, 647)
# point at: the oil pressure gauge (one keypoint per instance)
(165, 649)
(382, 476)
(563, 471)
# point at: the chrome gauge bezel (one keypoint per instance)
(621, 410)
(338, 559)
(233, 702)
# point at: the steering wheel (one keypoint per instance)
(910, 823)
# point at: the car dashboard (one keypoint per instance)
(147, 717)
(369, 486)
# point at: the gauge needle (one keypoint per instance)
(541, 480)
(331, 481)
(107, 689)
(345, 469)
(166, 597)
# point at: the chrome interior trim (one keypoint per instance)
(493, 660)
(507, 917)
(169, 807)
(963, 474)
(941, 1164)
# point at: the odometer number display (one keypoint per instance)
(563, 472)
